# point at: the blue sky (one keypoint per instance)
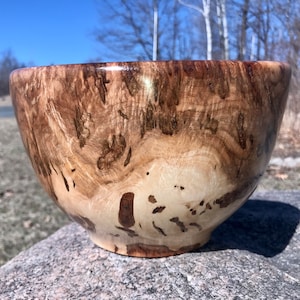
(46, 32)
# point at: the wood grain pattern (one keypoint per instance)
(97, 132)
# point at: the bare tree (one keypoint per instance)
(155, 30)
(140, 29)
(205, 12)
(261, 15)
(242, 45)
(7, 64)
(133, 36)
(159, 29)
(223, 28)
(288, 47)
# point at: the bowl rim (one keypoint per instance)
(119, 65)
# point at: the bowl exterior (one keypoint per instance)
(150, 157)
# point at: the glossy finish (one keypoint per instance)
(150, 157)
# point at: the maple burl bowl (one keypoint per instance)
(150, 157)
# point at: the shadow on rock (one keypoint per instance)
(261, 227)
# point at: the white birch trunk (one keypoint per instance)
(223, 28)
(155, 32)
(253, 42)
(206, 15)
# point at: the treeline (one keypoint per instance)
(203, 29)
(8, 63)
(194, 29)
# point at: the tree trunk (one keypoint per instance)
(266, 32)
(155, 31)
(206, 15)
(243, 33)
(223, 28)
(253, 43)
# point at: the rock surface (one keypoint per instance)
(286, 162)
(253, 255)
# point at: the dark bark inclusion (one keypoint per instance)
(129, 76)
(86, 223)
(65, 182)
(196, 225)
(152, 199)
(162, 114)
(123, 115)
(209, 123)
(140, 249)
(127, 160)
(82, 131)
(126, 217)
(99, 79)
(111, 153)
(246, 188)
(193, 211)
(179, 223)
(148, 250)
(158, 209)
(241, 131)
(130, 232)
(160, 230)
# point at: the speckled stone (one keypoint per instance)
(255, 254)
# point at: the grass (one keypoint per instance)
(27, 214)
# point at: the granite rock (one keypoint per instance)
(253, 255)
(287, 162)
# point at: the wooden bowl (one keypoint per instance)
(150, 157)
